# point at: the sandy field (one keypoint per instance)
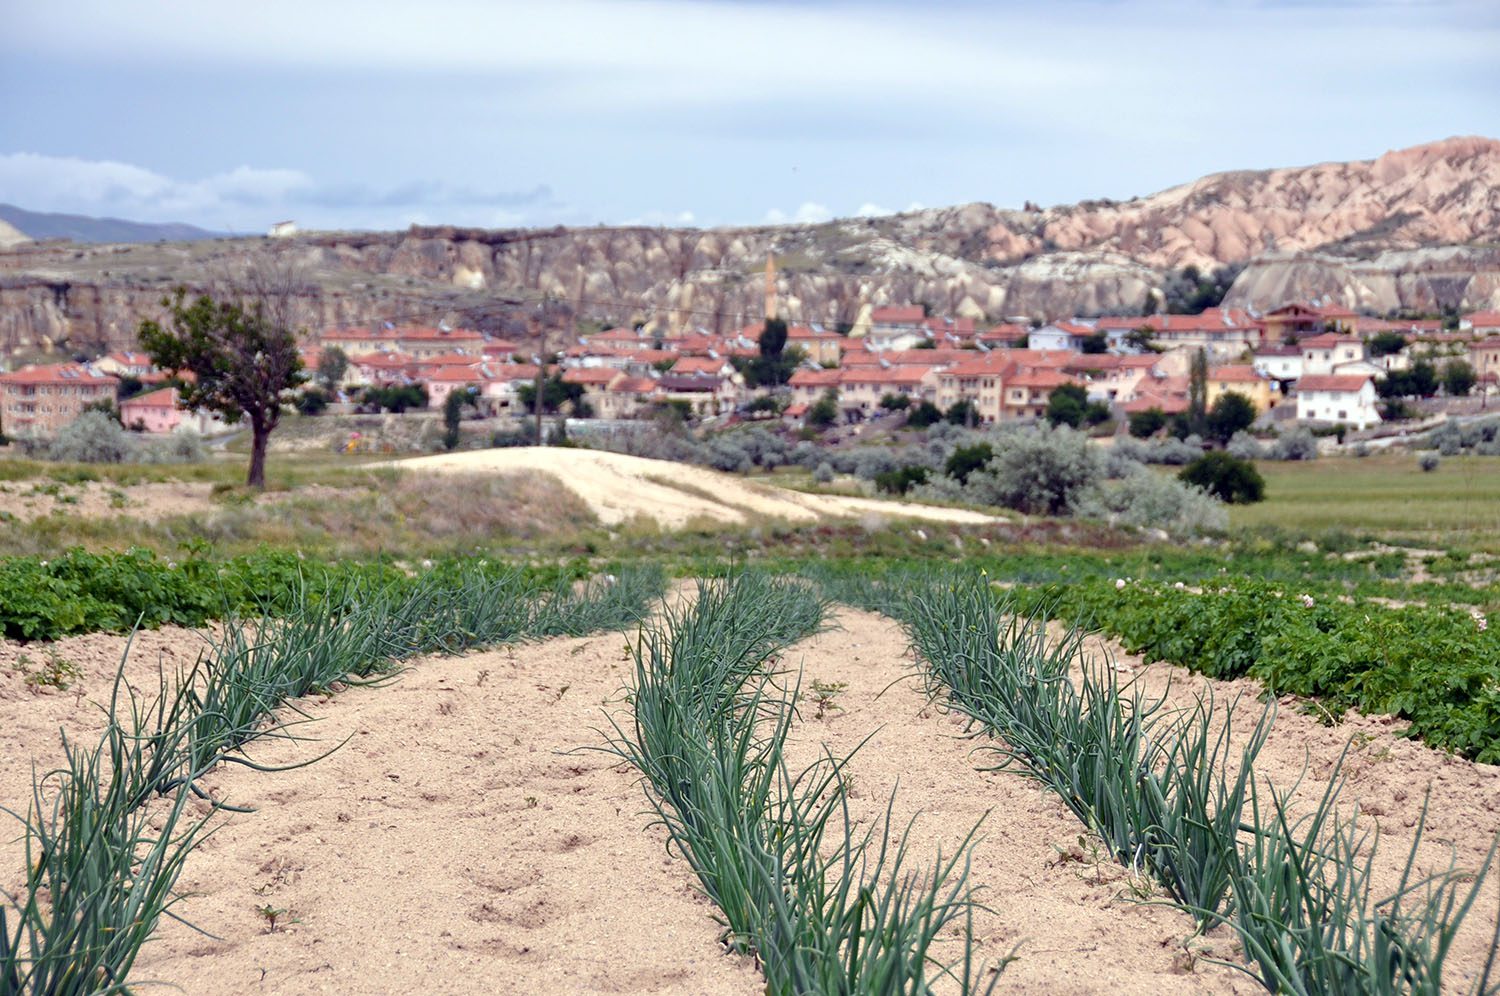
(27, 500)
(619, 487)
(459, 842)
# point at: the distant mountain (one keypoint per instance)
(40, 225)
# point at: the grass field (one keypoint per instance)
(1386, 495)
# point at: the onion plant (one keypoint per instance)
(822, 907)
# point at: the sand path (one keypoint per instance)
(619, 487)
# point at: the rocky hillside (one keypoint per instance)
(1418, 228)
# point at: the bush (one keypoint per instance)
(1231, 413)
(962, 413)
(1147, 423)
(1125, 456)
(1299, 444)
(899, 482)
(1042, 471)
(93, 437)
(1176, 452)
(923, 414)
(1226, 477)
(824, 412)
(823, 474)
(1145, 498)
(1428, 462)
(1246, 447)
(967, 459)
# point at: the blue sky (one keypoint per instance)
(378, 114)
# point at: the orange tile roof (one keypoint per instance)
(1332, 382)
(58, 373)
(1241, 372)
(814, 378)
(165, 397)
(597, 376)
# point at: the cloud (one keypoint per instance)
(248, 198)
(809, 213)
(869, 210)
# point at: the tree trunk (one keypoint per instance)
(260, 434)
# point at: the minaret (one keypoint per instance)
(770, 287)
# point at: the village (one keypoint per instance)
(1306, 364)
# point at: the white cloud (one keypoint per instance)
(870, 210)
(810, 213)
(249, 198)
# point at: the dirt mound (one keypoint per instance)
(619, 487)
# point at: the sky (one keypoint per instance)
(380, 114)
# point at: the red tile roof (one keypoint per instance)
(165, 397)
(814, 378)
(1241, 372)
(892, 314)
(596, 376)
(1328, 340)
(1333, 382)
(58, 373)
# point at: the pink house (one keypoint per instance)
(159, 412)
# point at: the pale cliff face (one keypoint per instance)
(1367, 234)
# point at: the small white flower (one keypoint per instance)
(171, 565)
(1179, 586)
(426, 565)
(1480, 622)
(1307, 601)
(1119, 584)
(610, 579)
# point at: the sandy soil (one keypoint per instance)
(27, 500)
(453, 838)
(619, 487)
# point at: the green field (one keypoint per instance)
(1388, 496)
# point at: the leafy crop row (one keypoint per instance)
(104, 856)
(1435, 667)
(823, 907)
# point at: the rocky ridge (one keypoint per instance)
(1414, 229)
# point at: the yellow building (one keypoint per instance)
(1242, 379)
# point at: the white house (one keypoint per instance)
(1334, 398)
(1279, 362)
(1323, 354)
(1065, 336)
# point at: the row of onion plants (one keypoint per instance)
(822, 906)
(107, 833)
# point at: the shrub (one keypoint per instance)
(1226, 477)
(895, 402)
(1041, 471)
(1428, 462)
(1176, 452)
(967, 459)
(1299, 444)
(823, 474)
(1125, 456)
(1246, 447)
(824, 412)
(963, 412)
(899, 482)
(1145, 498)
(1231, 413)
(923, 414)
(93, 437)
(1147, 423)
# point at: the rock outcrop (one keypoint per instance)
(1414, 229)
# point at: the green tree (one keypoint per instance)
(1147, 423)
(899, 482)
(1066, 405)
(824, 412)
(555, 393)
(775, 364)
(242, 354)
(1231, 413)
(1142, 338)
(1458, 378)
(962, 412)
(967, 459)
(453, 413)
(895, 402)
(1226, 477)
(1198, 391)
(1386, 343)
(1095, 344)
(333, 363)
(922, 414)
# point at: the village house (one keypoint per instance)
(127, 363)
(809, 385)
(1109, 377)
(624, 397)
(1025, 394)
(1480, 323)
(1298, 321)
(1006, 336)
(1245, 380)
(43, 399)
(976, 381)
(1064, 336)
(1279, 362)
(160, 411)
(861, 388)
(1348, 399)
(820, 345)
(1484, 357)
(500, 386)
(443, 381)
(1324, 354)
(702, 393)
(896, 327)
(1168, 395)
(426, 342)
